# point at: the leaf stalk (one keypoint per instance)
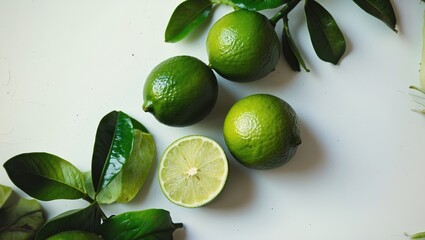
(283, 13)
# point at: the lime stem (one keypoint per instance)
(283, 13)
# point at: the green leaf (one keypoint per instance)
(257, 5)
(418, 236)
(45, 176)
(147, 224)
(114, 140)
(21, 220)
(70, 235)
(86, 219)
(5, 192)
(381, 9)
(290, 50)
(326, 37)
(133, 174)
(186, 17)
(89, 185)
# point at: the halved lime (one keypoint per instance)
(193, 171)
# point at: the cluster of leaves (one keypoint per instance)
(122, 158)
(326, 37)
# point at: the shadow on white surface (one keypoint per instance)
(239, 189)
(309, 156)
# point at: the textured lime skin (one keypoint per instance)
(180, 91)
(262, 131)
(243, 46)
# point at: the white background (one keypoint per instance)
(359, 173)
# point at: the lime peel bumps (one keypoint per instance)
(261, 131)
(193, 171)
(243, 46)
(180, 91)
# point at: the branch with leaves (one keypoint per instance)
(122, 158)
(325, 35)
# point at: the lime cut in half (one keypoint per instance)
(193, 171)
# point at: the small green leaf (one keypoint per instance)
(186, 17)
(326, 37)
(80, 235)
(114, 140)
(257, 5)
(290, 50)
(89, 185)
(86, 219)
(381, 9)
(418, 236)
(45, 176)
(5, 192)
(147, 224)
(133, 174)
(21, 220)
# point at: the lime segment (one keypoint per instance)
(193, 171)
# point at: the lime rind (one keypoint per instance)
(193, 171)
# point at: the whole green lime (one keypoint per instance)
(262, 131)
(243, 46)
(180, 91)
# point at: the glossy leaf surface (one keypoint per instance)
(257, 5)
(113, 143)
(147, 224)
(80, 235)
(21, 220)
(326, 37)
(187, 16)
(86, 219)
(45, 176)
(134, 173)
(381, 9)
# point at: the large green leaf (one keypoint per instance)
(381, 9)
(113, 144)
(45, 176)
(149, 224)
(86, 219)
(80, 235)
(326, 37)
(21, 220)
(257, 5)
(133, 174)
(187, 16)
(5, 192)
